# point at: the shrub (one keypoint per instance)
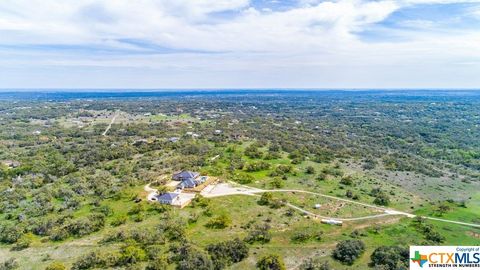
(310, 170)
(253, 152)
(266, 198)
(382, 199)
(159, 263)
(315, 264)
(9, 234)
(173, 229)
(243, 178)
(87, 261)
(276, 183)
(117, 221)
(301, 237)
(390, 257)
(131, 254)
(190, 258)
(257, 166)
(87, 225)
(56, 266)
(105, 210)
(59, 234)
(271, 262)
(24, 242)
(136, 209)
(277, 203)
(347, 180)
(227, 253)
(434, 236)
(259, 233)
(200, 201)
(348, 251)
(9, 264)
(220, 222)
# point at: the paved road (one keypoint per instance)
(110, 125)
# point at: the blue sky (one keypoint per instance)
(239, 44)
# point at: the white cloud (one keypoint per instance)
(313, 36)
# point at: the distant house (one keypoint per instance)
(168, 198)
(173, 139)
(184, 175)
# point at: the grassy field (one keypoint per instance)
(328, 207)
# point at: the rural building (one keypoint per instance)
(332, 222)
(168, 198)
(188, 183)
(173, 139)
(184, 175)
(189, 179)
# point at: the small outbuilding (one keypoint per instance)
(173, 139)
(332, 222)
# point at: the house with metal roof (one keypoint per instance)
(168, 198)
(188, 183)
(184, 175)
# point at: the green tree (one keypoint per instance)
(159, 263)
(227, 253)
(390, 257)
(190, 258)
(310, 170)
(131, 254)
(315, 264)
(259, 233)
(266, 198)
(271, 262)
(220, 222)
(276, 183)
(348, 251)
(382, 199)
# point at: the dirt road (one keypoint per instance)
(231, 188)
(110, 125)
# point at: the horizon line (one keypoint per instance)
(118, 89)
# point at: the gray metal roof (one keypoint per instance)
(183, 175)
(167, 196)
